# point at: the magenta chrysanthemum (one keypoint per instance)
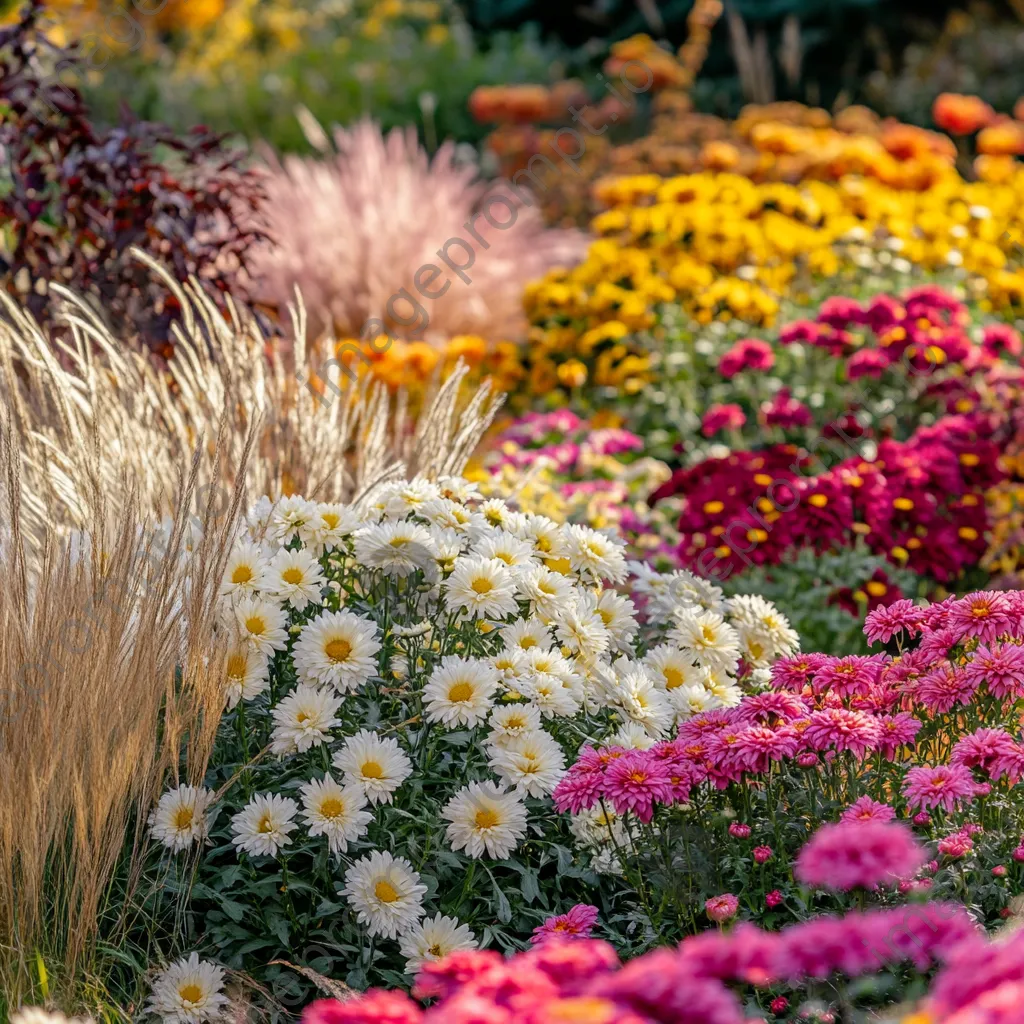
(576, 923)
(636, 781)
(944, 786)
(858, 856)
(839, 729)
(866, 809)
(882, 624)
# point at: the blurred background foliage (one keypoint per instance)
(246, 65)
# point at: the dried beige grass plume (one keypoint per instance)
(90, 408)
(351, 230)
(111, 677)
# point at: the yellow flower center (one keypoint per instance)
(516, 723)
(874, 588)
(818, 500)
(242, 574)
(460, 692)
(183, 818)
(980, 611)
(397, 542)
(606, 615)
(331, 519)
(190, 993)
(435, 950)
(903, 504)
(712, 508)
(256, 625)
(385, 891)
(237, 665)
(481, 585)
(332, 807)
(265, 824)
(708, 633)
(486, 818)
(372, 770)
(543, 544)
(338, 649)
(292, 575)
(527, 642)
(301, 717)
(673, 678)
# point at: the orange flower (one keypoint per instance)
(961, 115)
(1005, 138)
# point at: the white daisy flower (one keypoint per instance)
(618, 614)
(447, 549)
(377, 763)
(510, 721)
(526, 633)
(532, 763)
(507, 664)
(764, 631)
(552, 696)
(481, 588)
(303, 719)
(190, 991)
(179, 818)
(291, 515)
(245, 571)
(261, 828)
(642, 702)
(336, 812)
(247, 674)
(724, 689)
(385, 893)
(485, 820)
(671, 668)
(495, 513)
(547, 591)
(517, 554)
(457, 488)
(595, 554)
(691, 700)
(545, 535)
(401, 499)
(337, 649)
(330, 526)
(708, 637)
(459, 692)
(632, 736)
(686, 590)
(580, 627)
(432, 939)
(294, 577)
(398, 548)
(450, 515)
(262, 624)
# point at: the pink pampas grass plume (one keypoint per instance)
(353, 229)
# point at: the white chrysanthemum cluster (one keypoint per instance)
(431, 649)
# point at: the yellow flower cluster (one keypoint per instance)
(725, 247)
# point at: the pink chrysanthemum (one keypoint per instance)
(858, 856)
(945, 786)
(775, 707)
(935, 645)
(757, 746)
(839, 729)
(896, 731)
(576, 923)
(722, 908)
(866, 809)
(882, 624)
(944, 688)
(636, 781)
(984, 748)
(795, 673)
(376, 1006)
(956, 846)
(984, 614)
(1000, 667)
(845, 677)
(704, 725)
